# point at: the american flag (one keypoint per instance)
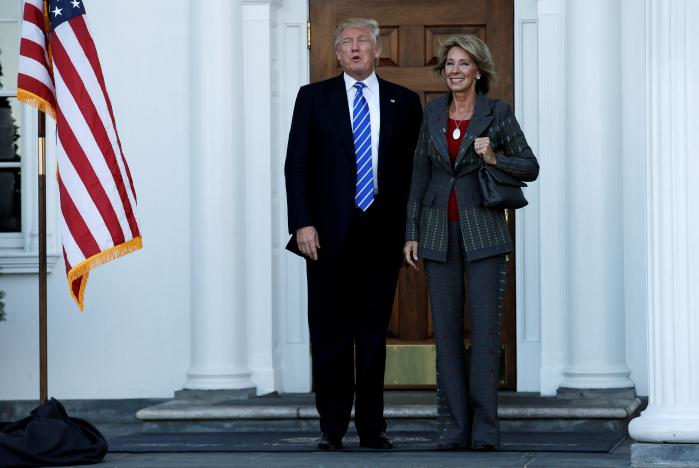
(60, 73)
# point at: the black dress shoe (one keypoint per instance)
(482, 447)
(330, 443)
(447, 446)
(452, 446)
(379, 441)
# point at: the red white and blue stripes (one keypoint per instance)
(98, 200)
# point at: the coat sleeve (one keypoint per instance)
(422, 172)
(297, 167)
(515, 156)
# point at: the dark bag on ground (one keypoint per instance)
(500, 190)
(49, 437)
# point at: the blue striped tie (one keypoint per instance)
(361, 129)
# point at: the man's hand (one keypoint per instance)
(308, 242)
(410, 254)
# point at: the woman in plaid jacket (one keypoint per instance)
(455, 235)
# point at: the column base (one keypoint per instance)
(628, 393)
(667, 425)
(218, 379)
(609, 378)
(646, 455)
(215, 395)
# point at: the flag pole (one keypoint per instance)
(43, 354)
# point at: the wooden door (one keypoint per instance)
(411, 31)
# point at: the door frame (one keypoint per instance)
(290, 318)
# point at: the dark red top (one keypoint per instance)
(453, 151)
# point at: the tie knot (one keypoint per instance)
(359, 85)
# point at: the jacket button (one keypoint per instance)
(451, 180)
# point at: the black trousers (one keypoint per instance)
(467, 404)
(350, 298)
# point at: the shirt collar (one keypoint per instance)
(371, 82)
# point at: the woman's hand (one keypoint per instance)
(410, 254)
(484, 150)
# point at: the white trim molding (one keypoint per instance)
(290, 299)
(24, 259)
(528, 271)
(552, 227)
(260, 94)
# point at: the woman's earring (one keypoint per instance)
(478, 76)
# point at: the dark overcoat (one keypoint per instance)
(321, 170)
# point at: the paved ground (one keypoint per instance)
(121, 422)
(405, 459)
(620, 458)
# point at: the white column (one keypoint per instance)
(260, 59)
(219, 329)
(672, 76)
(552, 250)
(595, 354)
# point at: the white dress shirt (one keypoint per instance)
(371, 94)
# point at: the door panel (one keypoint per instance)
(411, 31)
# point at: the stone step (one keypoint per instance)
(407, 411)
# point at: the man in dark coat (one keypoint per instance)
(348, 167)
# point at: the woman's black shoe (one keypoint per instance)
(379, 441)
(329, 443)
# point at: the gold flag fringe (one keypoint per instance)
(35, 101)
(82, 270)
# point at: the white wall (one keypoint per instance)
(133, 338)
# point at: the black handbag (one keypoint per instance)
(499, 189)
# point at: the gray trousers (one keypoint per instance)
(467, 404)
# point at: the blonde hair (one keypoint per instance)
(479, 53)
(366, 23)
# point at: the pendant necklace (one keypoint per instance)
(457, 131)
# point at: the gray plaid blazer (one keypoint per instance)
(484, 230)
